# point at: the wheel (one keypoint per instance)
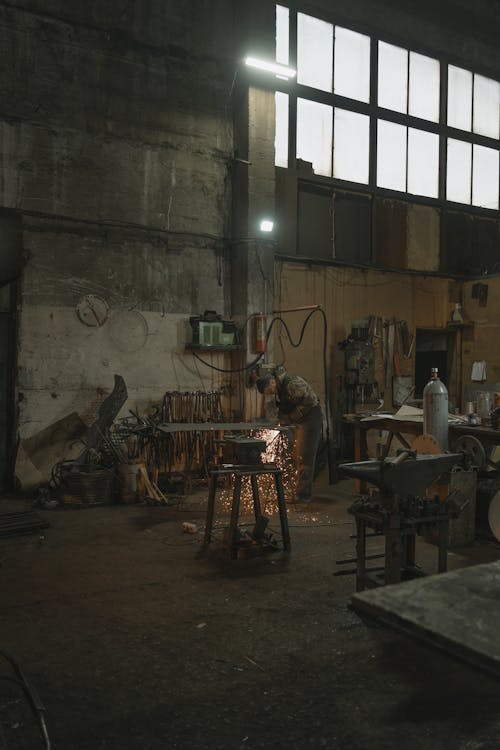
(473, 449)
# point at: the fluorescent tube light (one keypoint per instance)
(282, 71)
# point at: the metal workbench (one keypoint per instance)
(217, 426)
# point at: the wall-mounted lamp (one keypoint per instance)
(266, 225)
(280, 71)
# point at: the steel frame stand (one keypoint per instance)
(239, 473)
(400, 542)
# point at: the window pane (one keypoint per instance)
(314, 52)
(486, 106)
(391, 155)
(458, 171)
(485, 177)
(314, 135)
(424, 87)
(351, 146)
(352, 64)
(459, 98)
(423, 163)
(282, 34)
(392, 77)
(281, 133)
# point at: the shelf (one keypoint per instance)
(465, 324)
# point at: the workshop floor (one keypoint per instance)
(135, 638)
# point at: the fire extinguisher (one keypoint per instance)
(259, 333)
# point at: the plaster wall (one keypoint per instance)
(148, 291)
(66, 366)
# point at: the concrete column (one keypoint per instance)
(254, 172)
(252, 257)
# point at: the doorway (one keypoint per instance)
(431, 350)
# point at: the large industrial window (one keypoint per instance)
(314, 52)
(314, 135)
(368, 112)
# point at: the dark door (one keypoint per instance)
(431, 351)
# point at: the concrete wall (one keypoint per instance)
(115, 147)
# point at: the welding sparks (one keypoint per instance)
(278, 452)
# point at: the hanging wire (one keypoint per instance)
(295, 344)
(317, 309)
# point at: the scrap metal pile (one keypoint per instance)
(89, 478)
(136, 446)
(149, 456)
(20, 523)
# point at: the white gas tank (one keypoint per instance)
(436, 409)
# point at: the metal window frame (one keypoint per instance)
(295, 91)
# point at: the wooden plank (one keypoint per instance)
(458, 612)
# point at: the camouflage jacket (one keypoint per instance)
(294, 396)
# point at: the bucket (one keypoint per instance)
(484, 405)
(128, 482)
(82, 485)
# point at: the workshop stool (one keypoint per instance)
(239, 472)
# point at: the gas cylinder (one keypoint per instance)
(436, 409)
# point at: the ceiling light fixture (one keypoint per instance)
(266, 225)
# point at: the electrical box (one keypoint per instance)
(210, 330)
(209, 334)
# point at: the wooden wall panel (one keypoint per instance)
(390, 233)
(481, 341)
(345, 295)
(422, 238)
(486, 246)
(457, 253)
(315, 223)
(353, 227)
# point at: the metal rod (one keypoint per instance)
(355, 559)
(354, 571)
(297, 309)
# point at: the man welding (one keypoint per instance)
(299, 405)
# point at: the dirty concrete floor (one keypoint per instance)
(135, 638)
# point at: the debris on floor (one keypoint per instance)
(18, 523)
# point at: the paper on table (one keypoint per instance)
(413, 414)
(409, 411)
(406, 413)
